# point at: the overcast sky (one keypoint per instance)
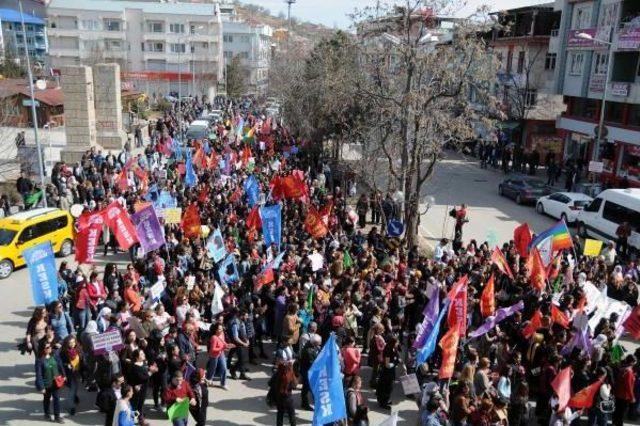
(333, 13)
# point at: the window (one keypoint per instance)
(521, 56)
(509, 61)
(614, 112)
(575, 67)
(594, 206)
(550, 61)
(28, 234)
(244, 39)
(227, 38)
(112, 25)
(529, 97)
(227, 54)
(616, 213)
(113, 45)
(176, 28)
(601, 63)
(6, 236)
(155, 46)
(609, 15)
(90, 25)
(178, 48)
(582, 18)
(155, 27)
(244, 55)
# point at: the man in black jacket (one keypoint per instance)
(107, 399)
(307, 356)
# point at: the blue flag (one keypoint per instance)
(215, 246)
(228, 271)
(429, 347)
(190, 178)
(165, 201)
(272, 224)
(152, 193)
(43, 273)
(252, 189)
(325, 381)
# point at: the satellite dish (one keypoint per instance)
(41, 84)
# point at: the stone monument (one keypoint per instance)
(79, 111)
(108, 107)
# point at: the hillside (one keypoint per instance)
(300, 29)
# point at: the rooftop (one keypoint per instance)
(147, 7)
(12, 15)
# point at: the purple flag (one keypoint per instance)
(430, 312)
(492, 321)
(148, 228)
(580, 340)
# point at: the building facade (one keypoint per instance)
(12, 42)
(581, 77)
(524, 89)
(252, 44)
(161, 48)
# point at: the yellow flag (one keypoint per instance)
(592, 247)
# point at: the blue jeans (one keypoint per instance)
(83, 316)
(180, 422)
(217, 365)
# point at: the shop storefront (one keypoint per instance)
(630, 164)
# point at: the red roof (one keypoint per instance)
(51, 96)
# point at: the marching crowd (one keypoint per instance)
(328, 275)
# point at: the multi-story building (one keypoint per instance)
(162, 48)
(581, 77)
(252, 44)
(525, 78)
(12, 42)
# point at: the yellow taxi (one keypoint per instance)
(32, 227)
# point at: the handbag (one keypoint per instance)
(59, 380)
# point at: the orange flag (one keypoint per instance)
(449, 345)
(559, 317)
(314, 224)
(499, 260)
(584, 398)
(534, 324)
(246, 154)
(487, 299)
(199, 158)
(191, 221)
(265, 277)
(561, 384)
(536, 272)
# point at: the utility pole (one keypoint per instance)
(289, 3)
(34, 113)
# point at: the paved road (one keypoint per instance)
(242, 404)
(491, 217)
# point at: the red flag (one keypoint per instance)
(203, 195)
(120, 224)
(200, 158)
(536, 271)
(123, 182)
(246, 154)
(457, 315)
(561, 384)
(449, 345)
(314, 225)
(293, 187)
(522, 239)
(265, 277)
(213, 161)
(553, 269)
(143, 177)
(325, 212)
(191, 221)
(488, 300)
(498, 259)
(254, 221)
(632, 323)
(237, 194)
(559, 317)
(534, 324)
(88, 236)
(584, 398)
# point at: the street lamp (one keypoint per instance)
(586, 36)
(34, 113)
(182, 39)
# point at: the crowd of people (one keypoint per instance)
(286, 299)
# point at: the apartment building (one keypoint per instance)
(251, 42)
(525, 79)
(581, 77)
(162, 47)
(12, 38)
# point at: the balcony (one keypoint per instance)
(64, 32)
(64, 53)
(115, 54)
(154, 56)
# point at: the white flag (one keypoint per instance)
(216, 302)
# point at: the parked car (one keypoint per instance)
(523, 189)
(32, 227)
(563, 205)
(611, 208)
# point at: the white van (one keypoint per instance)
(607, 211)
(198, 129)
